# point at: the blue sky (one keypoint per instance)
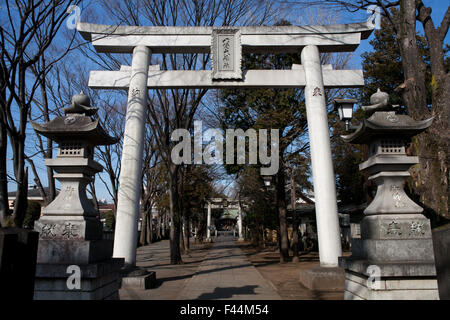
(296, 17)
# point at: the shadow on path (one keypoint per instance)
(228, 292)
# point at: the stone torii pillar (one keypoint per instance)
(208, 223)
(241, 238)
(129, 193)
(322, 166)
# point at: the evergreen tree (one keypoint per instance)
(32, 214)
(383, 66)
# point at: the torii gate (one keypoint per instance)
(218, 203)
(226, 45)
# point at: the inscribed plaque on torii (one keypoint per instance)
(226, 52)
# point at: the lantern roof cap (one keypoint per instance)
(340, 100)
(387, 123)
(76, 125)
(80, 104)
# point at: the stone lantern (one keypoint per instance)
(70, 231)
(394, 257)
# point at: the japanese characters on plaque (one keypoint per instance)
(226, 54)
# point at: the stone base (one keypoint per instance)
(356, 288)
(18, 249)
(441, 244)
(323, 278)
(74, 251)
(99, 281)
(366, 280)
(388, 250)
(143, 282)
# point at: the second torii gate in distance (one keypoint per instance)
(219, 203)
(226, 45)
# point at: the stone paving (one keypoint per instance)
(223, 272)
(225, 269)
(170, 278)
(226, 273)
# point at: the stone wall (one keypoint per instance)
(441, 245)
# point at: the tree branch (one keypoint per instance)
(443, 29)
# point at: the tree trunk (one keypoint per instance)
(294, 217)
(146, 236)
(94, 196)
(280, 195)
(149, 227)
(143, 235)
(186, 233)
(175, 252)
(182, 237)
(4, 205)
(263, 237)
(51, 195)
(17, 139)
(256, 236)
(414, 95)
(158, 227)
(164, 226)
(295, 239)
(21, 201)
(430, 178)
(21, 174)
(37, 180)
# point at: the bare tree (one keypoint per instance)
(112, 116)
(27, 31)
(152, 174)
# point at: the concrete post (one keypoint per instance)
(208, 223)
(322, 166)
(129, 193)
(240, 223)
